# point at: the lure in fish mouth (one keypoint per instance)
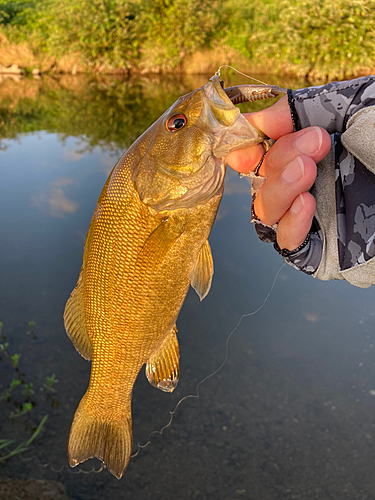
(250, 93)
(146, 244)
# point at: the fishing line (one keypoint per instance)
(63, 467)
(197, 395)
(240, 72)
(189, 396)
(172, 413)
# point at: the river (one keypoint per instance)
(290, 415)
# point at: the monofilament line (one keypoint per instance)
(189, 396)
(64, 467)
(197, 395)
(240, 72)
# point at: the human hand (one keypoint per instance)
(290, 168)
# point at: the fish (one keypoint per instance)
(147, 243)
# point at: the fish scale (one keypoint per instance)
(147, 243)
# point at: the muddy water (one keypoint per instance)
(292, 412)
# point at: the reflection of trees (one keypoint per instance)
(107, 112)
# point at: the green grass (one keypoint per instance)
(6, 443)
(22, 397)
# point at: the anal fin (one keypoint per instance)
(75, 321)
(162, 368)
(201, 274)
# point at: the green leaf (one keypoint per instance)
(5, 442)
(23, 446)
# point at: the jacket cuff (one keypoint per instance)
(293, 111)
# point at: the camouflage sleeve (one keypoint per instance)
(330, 106)
(341, 244)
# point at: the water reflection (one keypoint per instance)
(109, 113)
(106, 112)
(59, 205)
(72, 155)
(292, 412)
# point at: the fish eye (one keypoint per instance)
(176, 122)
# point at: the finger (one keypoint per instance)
(245, 160)
(296, 223)
(282, 187)
(274, 121)
(314, 142)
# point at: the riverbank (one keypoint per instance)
(21, 59)
(325, 40)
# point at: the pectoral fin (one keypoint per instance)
(201, 274)
(157, 245)
(162, 368)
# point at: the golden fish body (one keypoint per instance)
(147, 242)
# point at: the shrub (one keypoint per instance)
(315, 35)
(15, 12)
(102, 31)
(333, 37)
(175, 28)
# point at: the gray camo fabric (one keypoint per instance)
(331, 106)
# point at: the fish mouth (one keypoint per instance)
(225, 98)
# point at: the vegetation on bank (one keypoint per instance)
(326, 37)
(21, 395)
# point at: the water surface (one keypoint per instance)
(290, 415)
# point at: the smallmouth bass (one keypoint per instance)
(146, 244)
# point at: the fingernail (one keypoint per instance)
(294, 171)
(310, 142)
(297, 205)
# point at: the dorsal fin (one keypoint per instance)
(201, 274)
(74, 313)
(162, 368)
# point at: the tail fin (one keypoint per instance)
(110, 441)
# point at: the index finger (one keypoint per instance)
(275, 122)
